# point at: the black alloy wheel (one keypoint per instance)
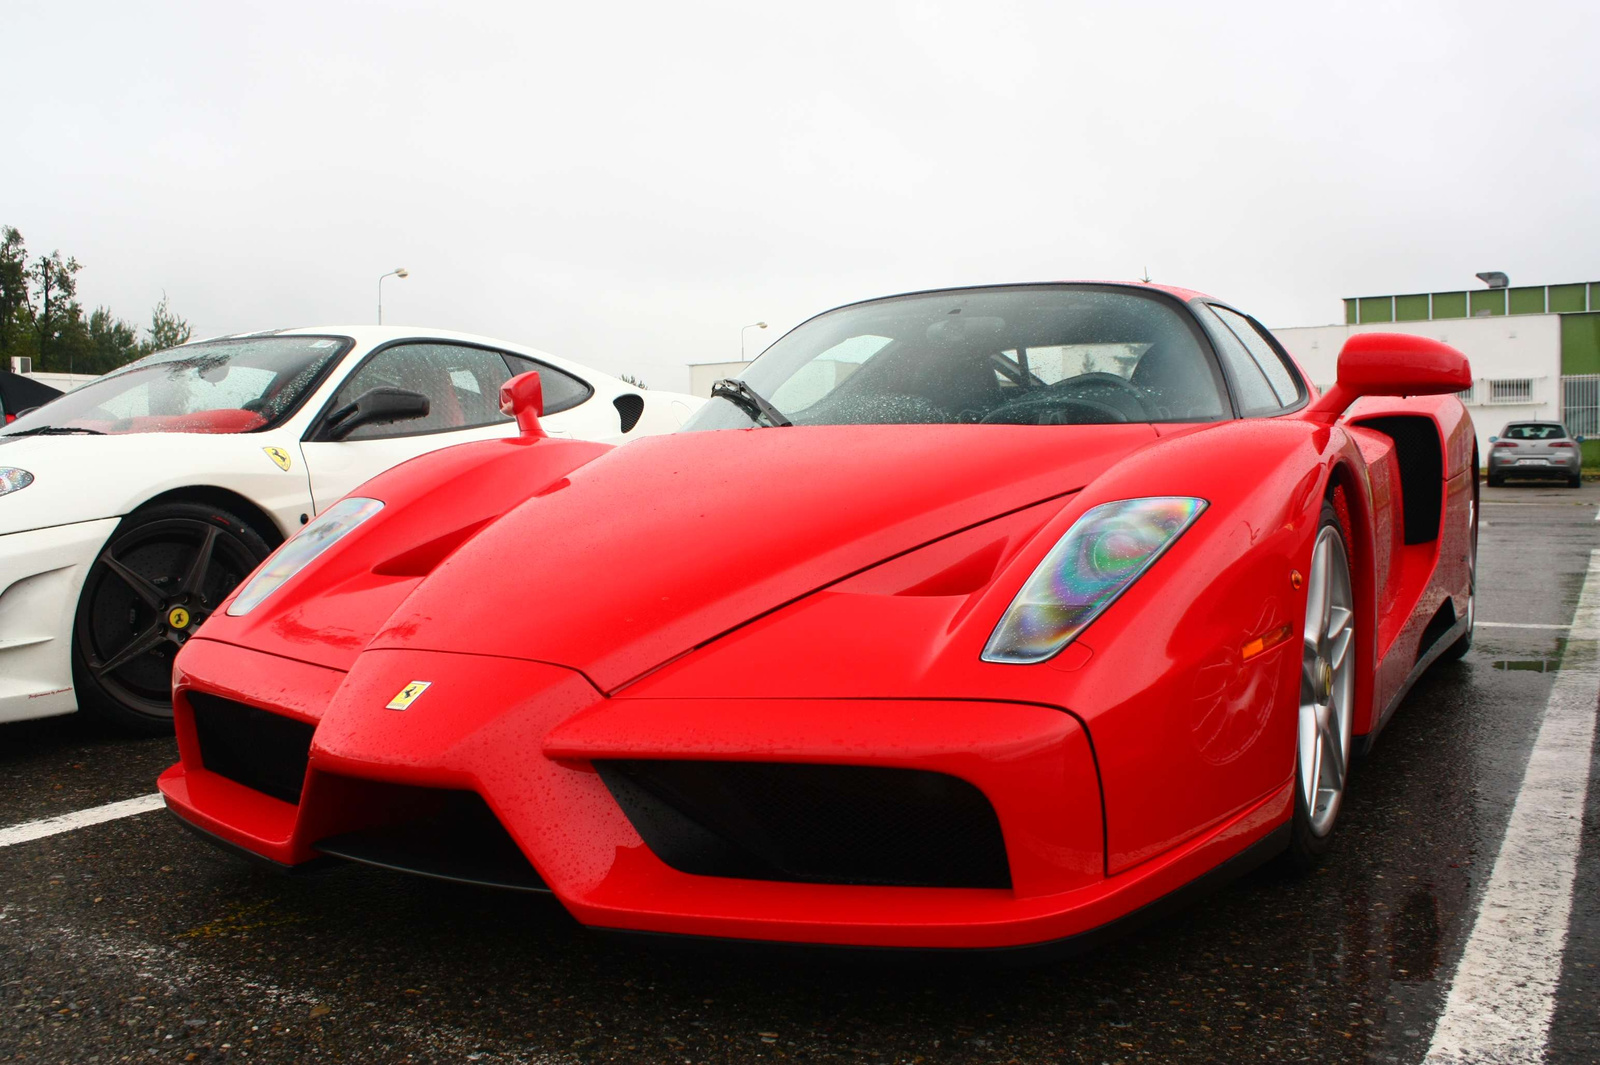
(162, 572)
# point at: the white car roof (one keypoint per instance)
(369, 336)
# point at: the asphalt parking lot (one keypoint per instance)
(128, 940)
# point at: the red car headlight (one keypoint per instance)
(298, 552)
(1098, 559)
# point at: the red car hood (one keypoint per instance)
(657, 547)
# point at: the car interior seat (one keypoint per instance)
(1178, 382)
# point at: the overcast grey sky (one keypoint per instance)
(628, 184)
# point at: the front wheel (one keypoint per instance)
(1327, 696)
(164, 570)
(1575, 481)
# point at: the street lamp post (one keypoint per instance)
(399, 272)
(752, 325)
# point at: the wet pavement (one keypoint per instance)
(130, 941)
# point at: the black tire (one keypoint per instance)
(1495, 481)
(144, 583)
(1306, 848)
(1575, 481)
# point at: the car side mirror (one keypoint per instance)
(1579, 439)
(376, 406)
(1492, 439)
(1392, 364)
(522, 397)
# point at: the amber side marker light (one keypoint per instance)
(1265, 642)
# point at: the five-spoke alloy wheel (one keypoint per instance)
(158, 577)
(1327, 693)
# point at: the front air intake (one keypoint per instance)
(820, 824)
(251, 746)
(446, 835)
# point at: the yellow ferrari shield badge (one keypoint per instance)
(408, 695)
(279, 456)
(178, 618)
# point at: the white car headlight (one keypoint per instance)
(1099, 558)
(325, 530)
(13, 480)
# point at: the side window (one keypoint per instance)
(562, 391)
(1269, 364)
(462, 386)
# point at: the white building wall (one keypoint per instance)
(1505, 349)
(64, 381)
(702, 375)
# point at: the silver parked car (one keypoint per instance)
(1536, 449)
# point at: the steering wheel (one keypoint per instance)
(1099, 380)
(1100, 413)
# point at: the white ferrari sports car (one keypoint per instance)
(131, 506)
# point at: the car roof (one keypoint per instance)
(370, 336)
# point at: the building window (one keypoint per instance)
(1466, 394)
(1510, 390)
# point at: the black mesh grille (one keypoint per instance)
(826, 824)
(630, 406)
(254, 747)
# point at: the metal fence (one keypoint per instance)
(1580, 404)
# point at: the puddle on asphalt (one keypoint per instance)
(1532, 665)
(1548, 665)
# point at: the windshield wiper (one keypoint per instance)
(742, 395)
(56, 430)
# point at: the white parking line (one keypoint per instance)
(1503, 992)
(51, 826)
(1515, 625)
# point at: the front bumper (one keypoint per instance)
(526, 737)
(41, 575)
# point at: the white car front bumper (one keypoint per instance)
(41, 574)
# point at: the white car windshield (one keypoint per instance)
(1023, 355)
(219, 386)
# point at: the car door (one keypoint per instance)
(462, 384)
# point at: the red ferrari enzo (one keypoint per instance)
(977, 618)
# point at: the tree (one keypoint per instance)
(16, 318)
(112, 342)
(40, 317)
(167, 330)
(57, 318)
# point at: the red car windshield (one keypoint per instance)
(1018, 355)
(220, 386)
